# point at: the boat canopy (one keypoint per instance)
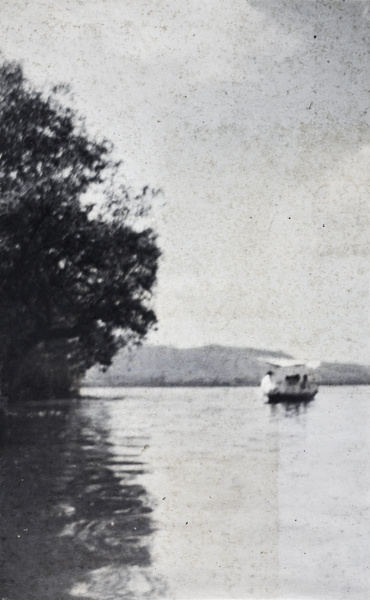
(291, 362)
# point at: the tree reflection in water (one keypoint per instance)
(75, 522)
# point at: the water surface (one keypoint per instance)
(187, 493)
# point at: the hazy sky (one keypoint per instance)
(252, 116)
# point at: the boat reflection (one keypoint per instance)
(289, 408)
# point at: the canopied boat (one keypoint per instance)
(289, 381)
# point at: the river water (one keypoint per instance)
(184, 493)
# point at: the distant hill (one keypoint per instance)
(207, 366)
(343, 374)
(162, 365)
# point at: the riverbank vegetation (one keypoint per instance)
(77, 269)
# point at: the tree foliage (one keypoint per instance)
(76, 276)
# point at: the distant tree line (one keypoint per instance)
(76, 271)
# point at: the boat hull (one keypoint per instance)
(276, 397)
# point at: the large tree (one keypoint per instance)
(76, 274)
